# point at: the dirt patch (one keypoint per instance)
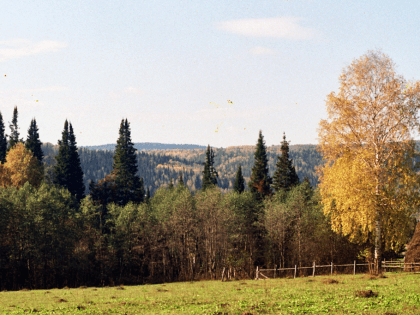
(81, 307)
(366, 294)
(330, 281)
(47, 292)
(161, 290)
(120, 288)
(246, 313)
(61, 301)
(224, 304)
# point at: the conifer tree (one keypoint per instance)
(62, 167)
(285, 176)
(14, 133)
(33, 143)
(239, 185)
(3, 141)
(209, 173)
(68, 171)
(260, 181)
(77, 186)
(129, 185)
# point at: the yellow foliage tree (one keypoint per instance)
(369, 186)
(20, 167)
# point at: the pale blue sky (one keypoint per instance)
(170, 67)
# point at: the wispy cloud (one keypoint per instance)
(17, 48)
(262, 51)
(278, 27)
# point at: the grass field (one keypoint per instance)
(397, 293)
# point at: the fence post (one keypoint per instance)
(313, 271)
(331, 268)
(354, 268)
(275, 268)
(256, 274)
(295, 273)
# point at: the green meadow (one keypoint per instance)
(394, 293)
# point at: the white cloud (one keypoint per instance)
(16, 48)
(278, 27)
(262, 51)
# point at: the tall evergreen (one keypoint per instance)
(3, 141)
(209, 173)
(14, 133)
(260, 181)
(285, 176)
(68, 172)
(77, 186)
(129, 185)
(239, 185)
(181, 181)
(33, 143)
(62, 167)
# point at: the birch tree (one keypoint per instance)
(368, 184)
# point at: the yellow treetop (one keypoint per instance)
(20, 167)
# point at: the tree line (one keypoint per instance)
(53, 235)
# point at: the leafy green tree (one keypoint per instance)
(3, 141)
(14, 133)
(285, 176)
(129, 185)
(68, 172)
(209, 173)
(33, 143)
(239, 185)
(260, 181)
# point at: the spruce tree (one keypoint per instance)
(68, 172)
(3, 141)
(285, 176)
(77, 186)
(33, 143)
(209, 173)
(129, 185)
(239, 185)
(14, 133)
(260, 181)
(62, 167)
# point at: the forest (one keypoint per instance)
(74, 217)
(158, 167)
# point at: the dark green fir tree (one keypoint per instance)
(77, 186)
(67, 171)
(129, 185)
(209, 173)
(260, 181)
(239, 185)
(33, 143)
(62, 166)
(285, 176)
(3, 141)
(14, 130)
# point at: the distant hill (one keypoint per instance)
(159, 166)
(148, 146)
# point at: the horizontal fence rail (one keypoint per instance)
(385, 265)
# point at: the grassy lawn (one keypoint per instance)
(398, 293)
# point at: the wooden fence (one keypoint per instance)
(385, 265)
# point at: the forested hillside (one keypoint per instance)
(158, 167)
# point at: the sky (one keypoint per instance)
(191, 72)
